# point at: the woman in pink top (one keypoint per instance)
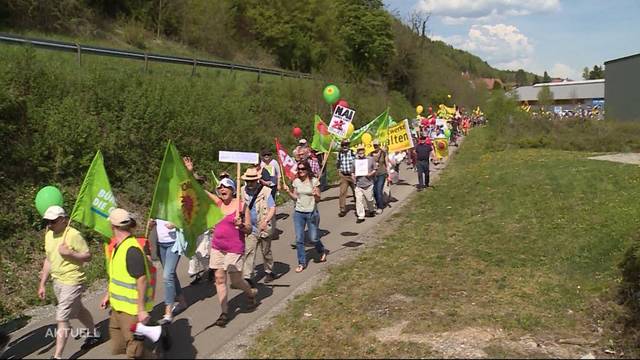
(227, 247)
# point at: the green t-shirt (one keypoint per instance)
(306, 202)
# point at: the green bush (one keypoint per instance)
(511, 127)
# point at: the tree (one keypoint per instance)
(596, 73)
(585, 73)
(536, 80)
(546, 78)
(521, 78)
(545, 96)
(418, 20)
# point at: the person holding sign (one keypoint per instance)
(306, 193)
(364, 170)
(227, 249)
(344, 165)
(66, 251)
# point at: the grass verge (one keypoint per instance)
(525, 242)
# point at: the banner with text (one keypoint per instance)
(399, 137)
(342, 117)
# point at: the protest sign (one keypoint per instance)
(340, 121)
(362, 167)
(238, 157)
(399, 137)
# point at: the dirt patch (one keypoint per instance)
(473, 342)
(625, 158)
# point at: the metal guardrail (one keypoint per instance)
(146, 57)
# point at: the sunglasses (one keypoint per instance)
(302, 169)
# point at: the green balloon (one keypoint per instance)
(331, 94)
(48, 196)
(447, 133)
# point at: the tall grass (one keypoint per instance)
(511, 127)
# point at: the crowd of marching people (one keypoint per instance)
(226, 254)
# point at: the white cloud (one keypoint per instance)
(485, 10)
(503, 46)
(564, 71)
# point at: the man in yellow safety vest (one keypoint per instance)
(130, 294)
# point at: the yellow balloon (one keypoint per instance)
(419, 109)
(366, 138)
(349, 131)
(449, 96)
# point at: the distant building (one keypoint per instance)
(567, 95)
(622, 89)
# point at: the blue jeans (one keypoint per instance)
(169, 261)
(378, 190)
(311, 220)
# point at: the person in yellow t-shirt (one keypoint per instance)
(66, 251)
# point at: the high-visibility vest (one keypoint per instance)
(108, 250)
(123, 291)
(270, 169)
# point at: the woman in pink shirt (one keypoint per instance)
(227, 247)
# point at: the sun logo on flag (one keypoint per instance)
(188, 201)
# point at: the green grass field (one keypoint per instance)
(519, 243)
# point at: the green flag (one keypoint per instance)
(321, 137)
(216, 181)
(181, 200)
(95, 199)
(377, 128)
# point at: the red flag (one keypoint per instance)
(289, 166)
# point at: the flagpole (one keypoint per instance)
(238, 189)
(326, 158)
(166, 152)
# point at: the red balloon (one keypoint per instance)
(297, 132)
(322, 129)
(343, 103)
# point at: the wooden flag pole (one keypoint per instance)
(326, 157)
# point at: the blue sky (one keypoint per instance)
(560, 36)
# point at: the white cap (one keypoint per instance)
(227, 182)
(53, 212)
(302, 141)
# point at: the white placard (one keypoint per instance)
(340, 121)
(362, 167)
(238, 157)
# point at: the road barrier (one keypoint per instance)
(146, 57)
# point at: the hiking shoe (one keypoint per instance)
(196, 279)
(360, 220)
(90, 341)
(342, 213)
(252, 283)
(270, 277)
(370, 214)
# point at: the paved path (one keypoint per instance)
(625, 158)
(192, 332)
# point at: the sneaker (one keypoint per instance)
(196, 279)
(270, 277)
(342, 213)
(166, 319)
(378, 211)
(360, 220)
(90, 341)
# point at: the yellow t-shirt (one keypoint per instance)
(66, 271)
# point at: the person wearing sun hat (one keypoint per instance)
(302, 151)
(66, 251)
(260, 207)
(364, 185)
